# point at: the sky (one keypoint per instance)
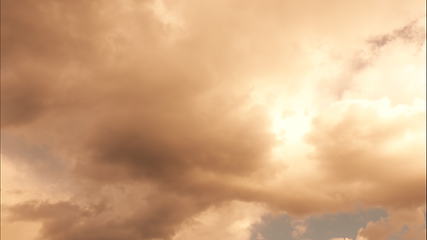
(207, 120)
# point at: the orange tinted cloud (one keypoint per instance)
(144, 115)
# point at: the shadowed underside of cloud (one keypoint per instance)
(158, 113)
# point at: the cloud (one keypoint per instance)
(146, 115)
(225, 221)
(298, 228)
(66, 220)
(404, 224)
(369, 144)
(410, 32)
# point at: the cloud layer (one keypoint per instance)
(136, 118)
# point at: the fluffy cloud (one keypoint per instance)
(404, 224)
(225, 221)
(369, 144)
(176, 120)
(299, 228)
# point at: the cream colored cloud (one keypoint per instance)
(405, 224)
(299, 227)
(146, 116)
(374, 150)
(227, 221)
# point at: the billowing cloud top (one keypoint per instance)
(192, 119)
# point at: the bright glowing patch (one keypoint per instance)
(290, 128)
